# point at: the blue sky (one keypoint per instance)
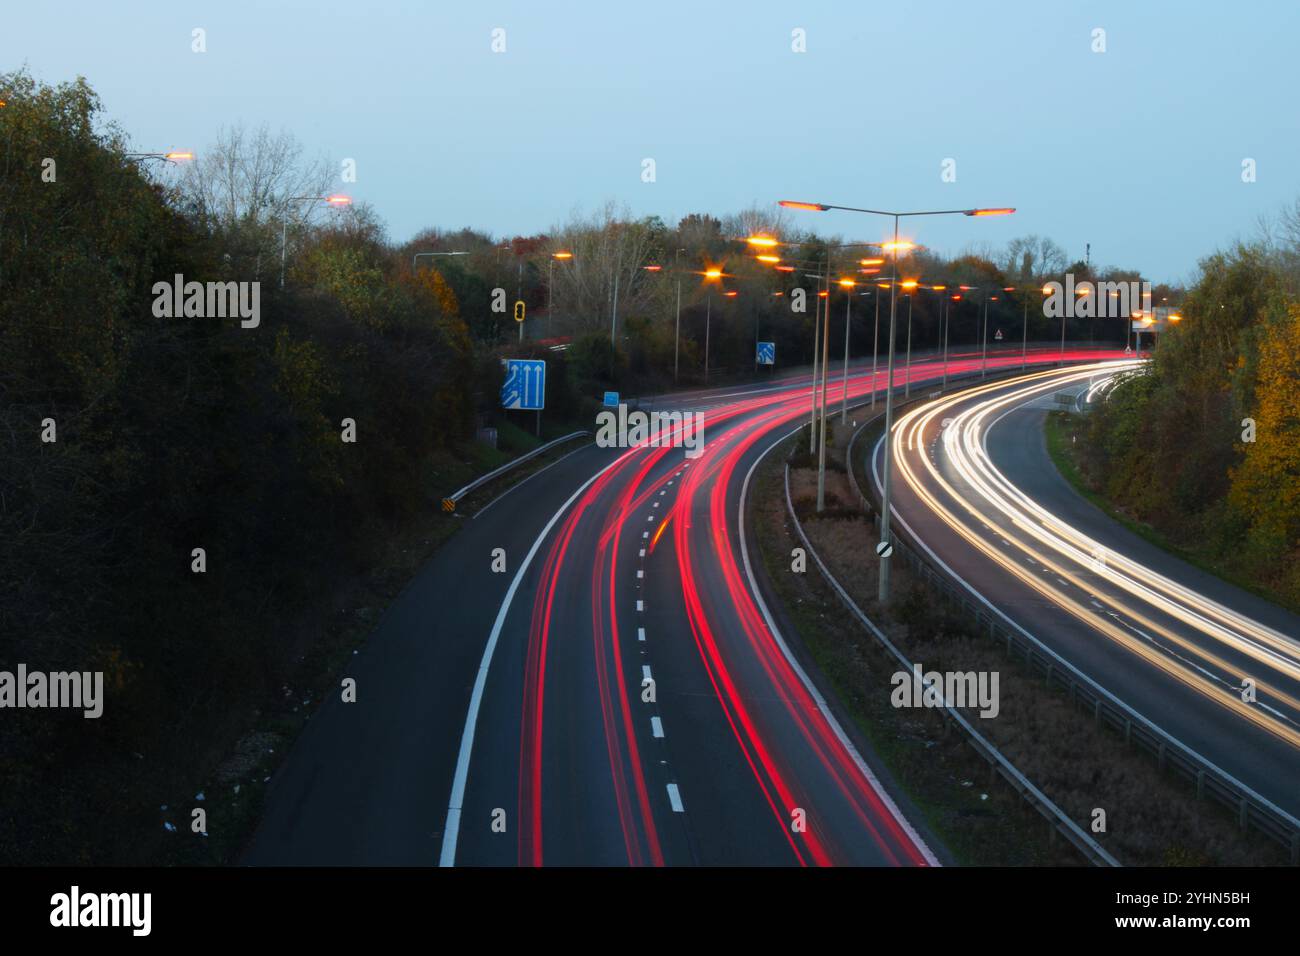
(1137, 150)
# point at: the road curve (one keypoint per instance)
(975, 484)
(735, 760)
(500, 717)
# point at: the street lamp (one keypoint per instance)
(1025, 292)
(770, 242)
(848, 284)
(885, 547)
(710, 275)
(550, 283)
(174, 156)
(334, 200)
(910, 285)
(947, 325)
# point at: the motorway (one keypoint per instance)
(976, 486)
(621, 695)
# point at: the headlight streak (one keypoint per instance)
(965, 445)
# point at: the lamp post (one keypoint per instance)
(710, 275)
(550, 284)
(848, 315)
(172, 156)
(875, 343)
(1063, 312)
(613, 316)
(984, 354)
(817, 342)
(947, 325)
(910, 285)
(676, 272)
(1025, 292)
(335, 200)
(941, 289)
(677, 329)
(822, 315)
(885, 547)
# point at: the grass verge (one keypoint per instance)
(1064, 432)
(1151, 818)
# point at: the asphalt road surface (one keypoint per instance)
(622, 694)
(974, 483)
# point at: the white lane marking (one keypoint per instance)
(640, 633)
(643, 552)
(640, 605)
(664, 491)
(649, 517)
(656, 726)
(675, 798)
(640, 573)
(645, 672)
(451, 830)
(645, 534)
(656, 504)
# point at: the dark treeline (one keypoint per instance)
(127, 440)
(172, 434)
(1205, 446)
(648, 268)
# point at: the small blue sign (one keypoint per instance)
(766, 354)
(525, 384)
(611, 399)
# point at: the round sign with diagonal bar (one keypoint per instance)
(884, 549)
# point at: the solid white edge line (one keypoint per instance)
(451, 831)
(516, 487)
(861, 764)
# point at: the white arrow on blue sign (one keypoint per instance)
(525, 384)
(766, 354)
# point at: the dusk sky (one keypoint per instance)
(1137, 150)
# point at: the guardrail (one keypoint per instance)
(1253, 810)
(1060, 821)
(449, 503)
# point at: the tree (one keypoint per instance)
(246, 186)
(610, 252)
(1033, 259)
(1266, 485)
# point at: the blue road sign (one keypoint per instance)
(611, 399)
(766, 353)
(525, 384)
